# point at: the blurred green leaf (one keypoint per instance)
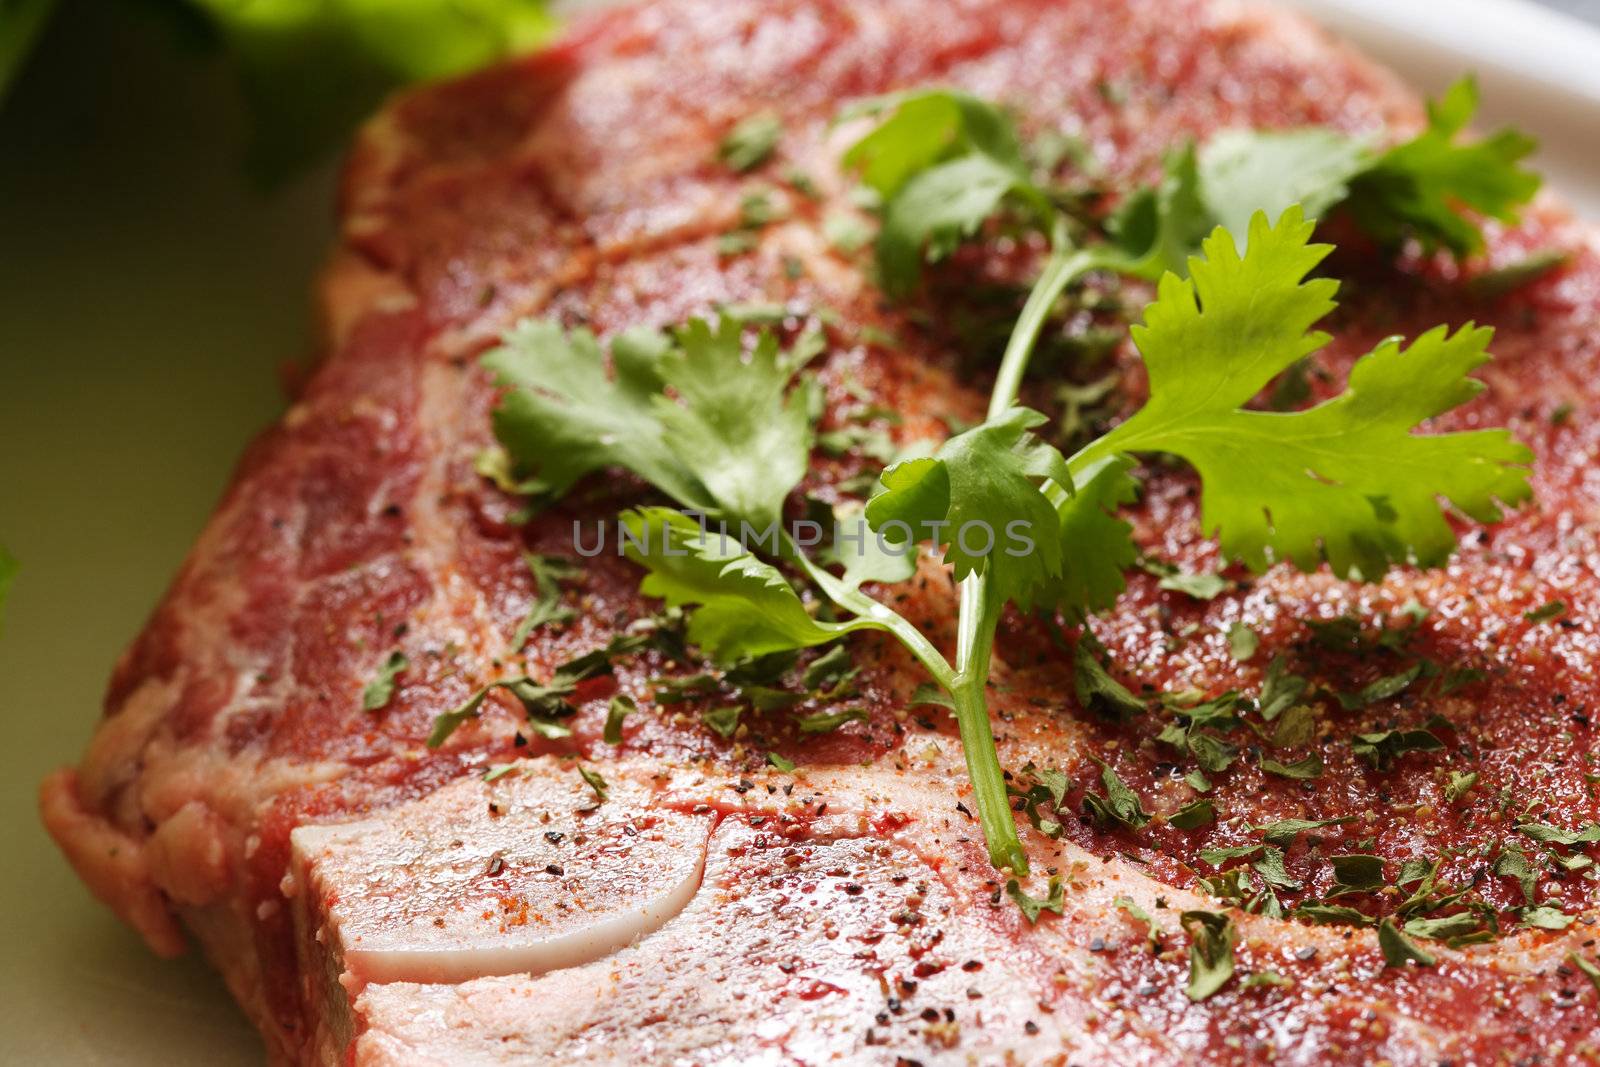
(20, 23)
(311, 69)
(8, 574)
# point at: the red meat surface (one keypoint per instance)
(845, 911)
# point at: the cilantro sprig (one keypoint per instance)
(944, 163)
(721, 422)
(1347, 481)
(1416, 188)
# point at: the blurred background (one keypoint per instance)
(159, 233)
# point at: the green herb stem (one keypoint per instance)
(859, 603)
(974, 643)
(979, 613)
(1065, 265)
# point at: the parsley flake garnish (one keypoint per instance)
(724, 722)
(1459, 784)
(1309, 767)
(380, 690)
(1399, 949)
(826, 723)
(1283, 832)
(593, 780)
(545, 703)
(1031, 907)
(549, 572)
(1212, 936)
(1555, 609)
(620, 708)
(1120, 805)
(1382, 748)
(751, 141)
(1195, 814)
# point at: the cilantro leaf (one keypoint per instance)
(1218, 856)
(1138, 914)
(1459, 785)
(1390, 685)
(929, 695)
(724, 722)
(1513, 863)
(743, 606)
(1280, 690)
(1346, 481)
(1550, 835)
(1553, 609)
(1545, 917)
(926, 128)
(734, 440)
(1212, 753)
(973, 494)
(1492, 284)
(1157, 227)
(1309, 767)
(309, 72)
(1242, 642)
(1326, 914)
(867, 555)
(1415, 188)
(736, 424)
(829, 670)
(1270, 867)
(1445, 928)
(1001, 502)
(1095, 546)
(380, 690)
(935, 211)
(1298, 726)
(563, 418)
(1245, 171)
(592, 779)
(1193, 815)
(1199, 585)
(943, 162)
(1587, 966)
(1356, 873)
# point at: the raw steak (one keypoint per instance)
(370, 900)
